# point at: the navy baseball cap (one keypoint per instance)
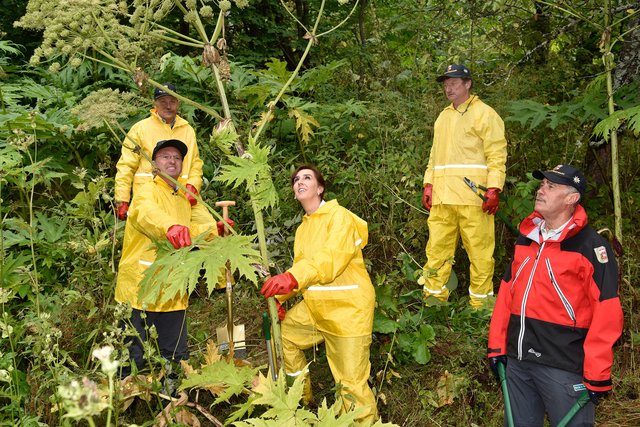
(455, 70)
(159, 93)
(565, 175)
(176, 143)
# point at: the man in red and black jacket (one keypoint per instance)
(558, 310)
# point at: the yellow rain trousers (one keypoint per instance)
(471, 144)
(477, 231)
(134, 170)
(338, 303)
(154, 209)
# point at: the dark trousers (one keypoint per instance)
(535, 389)
(171, 329)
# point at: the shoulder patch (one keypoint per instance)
(601, 254)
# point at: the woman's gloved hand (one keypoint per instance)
(221, 227)
(281, 284)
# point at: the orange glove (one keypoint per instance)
(491, 201)
(426, 196)
(192, 200)
(178, 235)
(121, 210)
(282, 312)
(281, 284)
(221, 227)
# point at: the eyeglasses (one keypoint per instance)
(167, 157)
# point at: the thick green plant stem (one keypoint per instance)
(609, 65)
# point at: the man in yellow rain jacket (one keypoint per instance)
(469, 141)
(163, 123)
(339, 299)
(159, 210)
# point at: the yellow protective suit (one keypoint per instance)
(154, 209)
(133, 169)
(338, 303)
(468, 142)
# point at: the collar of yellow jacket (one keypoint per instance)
(179, 120)
(462, 107)
(159, 181)
(361, 225)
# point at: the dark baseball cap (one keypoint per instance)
(176, 143)
(565, 175)
(455, 70)
(159, 93)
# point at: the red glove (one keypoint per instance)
(192, 200)
(426, 196)
(178, 235)
(121, 210)
(221, 227)
(491, 201)
(281, 284)
(282, 312)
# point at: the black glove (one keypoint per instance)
(595, 396)
(493, 364)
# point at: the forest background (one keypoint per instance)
(348, 86)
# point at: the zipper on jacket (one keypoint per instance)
(523, 305)
(513, 282)
(563, 298)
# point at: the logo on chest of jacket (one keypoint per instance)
(601, 254)
(535, 353)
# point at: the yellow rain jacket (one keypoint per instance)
(134, 169)
(330, 271)
(154, 209)
(472, 145)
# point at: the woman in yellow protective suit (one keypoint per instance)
(329, 271)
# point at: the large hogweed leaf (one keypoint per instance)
(224, 377)
(252, 170)
(176, 272)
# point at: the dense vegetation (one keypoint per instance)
(349, 86)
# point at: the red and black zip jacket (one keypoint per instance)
(558, 303)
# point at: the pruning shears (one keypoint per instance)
(476, 189)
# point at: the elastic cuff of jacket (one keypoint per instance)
(597, 385)
(493, 352)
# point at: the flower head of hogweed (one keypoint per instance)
(81, 399)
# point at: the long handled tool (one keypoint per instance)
(266, 328)
(230, 334)
(583, 399)
(505, 393)
(472, 185)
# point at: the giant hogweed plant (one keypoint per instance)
(130, 38)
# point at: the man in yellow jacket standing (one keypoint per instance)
(163, 124)
(469, 141)
(159, 210)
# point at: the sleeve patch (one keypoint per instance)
(601, 254)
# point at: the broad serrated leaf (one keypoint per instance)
(304, 124)
(176, 272)
(226, 378)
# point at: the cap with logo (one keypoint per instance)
(159, 93)
(455, 70)
(175, 143)
(565, 175)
